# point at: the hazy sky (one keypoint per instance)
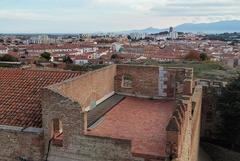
(72, 16)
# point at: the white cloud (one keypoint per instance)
(115, 15)
(23, 15)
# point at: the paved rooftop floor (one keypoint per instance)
(143, 121)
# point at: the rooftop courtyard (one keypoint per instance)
(143, 121)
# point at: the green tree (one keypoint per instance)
(114, 56)
(67, 60)
(203, 56)
(228, 107)
(15, 49)
(46, 55)
(8, 58)
(193, 55)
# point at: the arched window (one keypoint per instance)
(127, 81)
(57, 130)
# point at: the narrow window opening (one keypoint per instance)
(127, 81)
(57, 132)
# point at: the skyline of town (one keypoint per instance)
(61, 16)
(128, 80)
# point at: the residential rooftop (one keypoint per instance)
(20, 102)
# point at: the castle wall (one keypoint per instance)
(90, 87)
(154, 81)
(17, 143)
(76, 145)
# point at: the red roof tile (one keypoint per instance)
(20, 95)
(143, 121)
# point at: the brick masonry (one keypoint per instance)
(155, 81)
(209, 116)
(16, 144)
(68, 100)
(77, 146)
(89, 87)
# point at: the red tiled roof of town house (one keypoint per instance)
(20, 99)
(3, 48)
(143, 121)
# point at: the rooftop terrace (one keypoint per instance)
(143, 121)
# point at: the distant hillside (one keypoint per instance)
(215, 27)
(149, 30)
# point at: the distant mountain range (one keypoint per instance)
(215, 27)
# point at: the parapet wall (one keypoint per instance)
(183, 130)
(90, 87)
(176, 129)
(17, 143)
(75, 144)
(68, 101)
(209, 116)
(154, 81)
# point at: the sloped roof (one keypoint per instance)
(20, 95)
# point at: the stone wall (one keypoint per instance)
(64, 101)
(196, 123)
(56, 106)
(145, 80)
(89, 87)
(17, 143)
(77, 146)
(154, 81)
(87, 148)
(183, 130)
(209, 116)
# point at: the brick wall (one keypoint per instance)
(89, 87)
(209, 116)
(87, 148)
(145, 80)
(154, 81)
(16, 144)
(196, 123)
(65, 100)
(56, 106)
(183, 130)
(76, 145)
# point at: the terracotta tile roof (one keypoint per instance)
(3, 48)
(20, 95)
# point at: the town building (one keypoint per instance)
(137, 35)
(119, 112)
(172, 34)
(3, 50)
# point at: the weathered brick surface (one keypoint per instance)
(66, 101)
(196, 121)
(146, 80)
(190, 141)
(86, 148)
(55, 106)
(210, 117)
(16, 144)
(89, 87)
(77, 146)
